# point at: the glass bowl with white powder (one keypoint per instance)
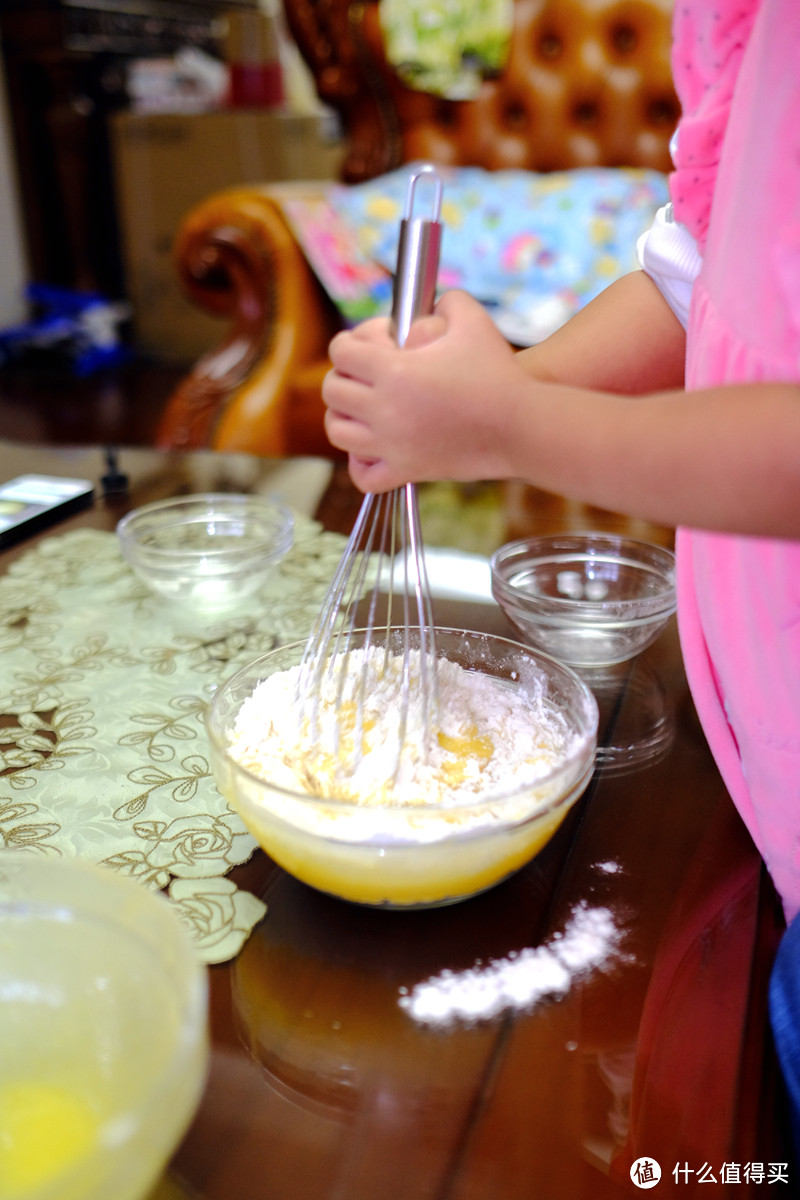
(469, 800)
(590, 599)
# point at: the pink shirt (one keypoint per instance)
(736, 187)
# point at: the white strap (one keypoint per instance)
(668, 254)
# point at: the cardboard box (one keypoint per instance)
(164, 164)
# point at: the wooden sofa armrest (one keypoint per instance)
(237, 258)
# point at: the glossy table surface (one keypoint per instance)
(605, 1004)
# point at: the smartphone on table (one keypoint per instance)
(32, 502)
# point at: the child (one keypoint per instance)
(624, 408)
(594, 412)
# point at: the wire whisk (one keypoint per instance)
(374, 632)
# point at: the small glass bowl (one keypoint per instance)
(103, 1031)
(589, 599)
(208, 551)
(379, 855)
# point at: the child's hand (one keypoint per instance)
(432, 409)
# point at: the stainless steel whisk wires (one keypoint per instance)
(386, 539)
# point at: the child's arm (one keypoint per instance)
(457, 403)
(627, 340)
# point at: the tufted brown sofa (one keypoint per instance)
(586, 83)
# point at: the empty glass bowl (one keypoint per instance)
(417, 854)
(103, 1031)
(207, 551)
(589, 599)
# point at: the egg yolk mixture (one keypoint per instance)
(44, 1131)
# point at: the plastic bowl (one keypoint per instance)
(378, 854)
(208, 551)
(588, 599)
(103, 1031)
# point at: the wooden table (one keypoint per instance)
(617, 984)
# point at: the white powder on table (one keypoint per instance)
(493, 736)
(518, 982)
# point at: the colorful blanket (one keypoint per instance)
(533, 248)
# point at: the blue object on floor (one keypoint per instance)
(79, 329)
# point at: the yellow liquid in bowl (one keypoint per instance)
(45, 1130)
(416, 875)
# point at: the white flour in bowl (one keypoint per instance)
(493, 736)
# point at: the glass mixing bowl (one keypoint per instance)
(103, 1031)
(208, 551)
(589, 599)
(425, 854)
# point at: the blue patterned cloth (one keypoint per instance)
(534, 248)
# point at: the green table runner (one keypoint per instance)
(103, 751)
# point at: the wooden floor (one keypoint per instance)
(115, 407)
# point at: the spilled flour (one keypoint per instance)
(589, 941)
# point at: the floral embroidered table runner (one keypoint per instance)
(104, 687)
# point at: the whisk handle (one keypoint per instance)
(418, 250)
(417, 268)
